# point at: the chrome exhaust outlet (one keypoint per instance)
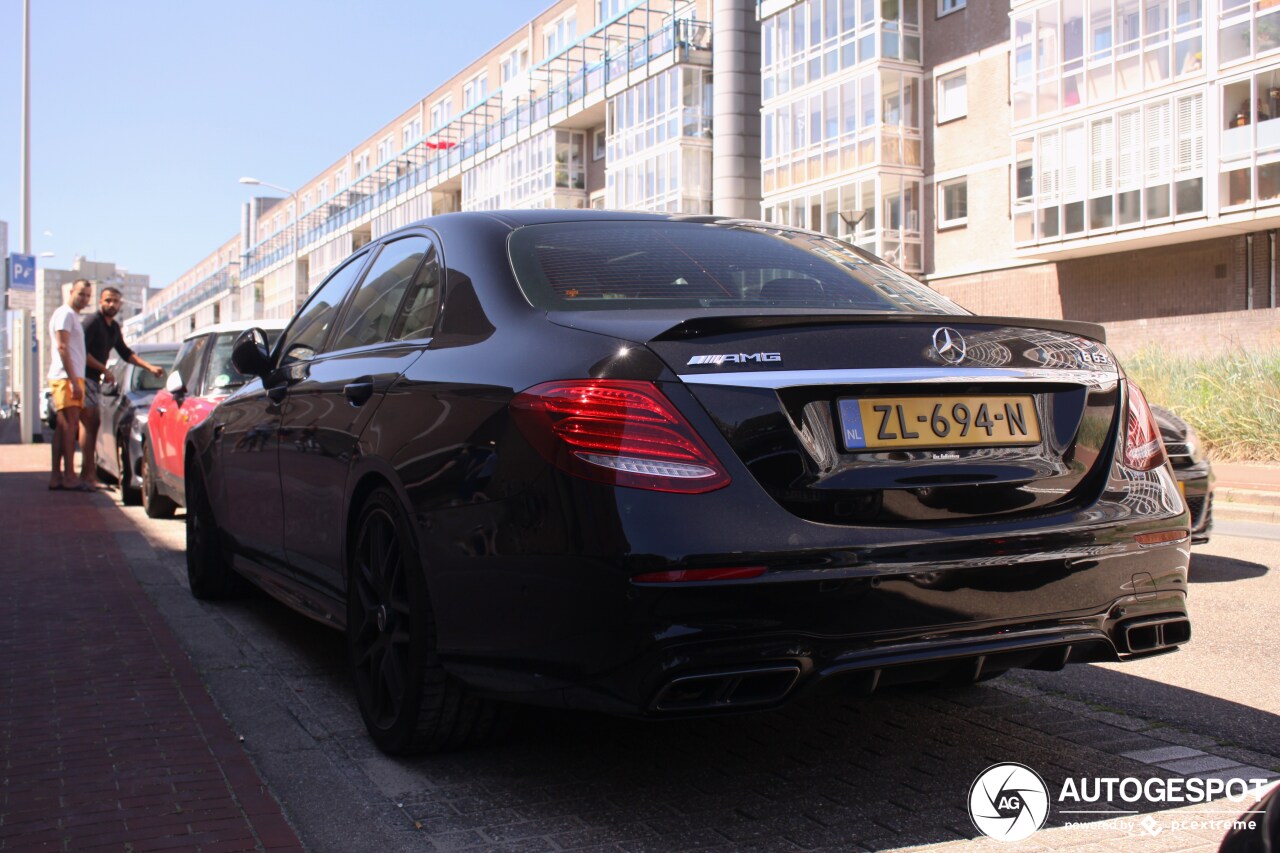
(739, 688)
(1155, 633)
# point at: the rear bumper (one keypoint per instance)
(682, 649)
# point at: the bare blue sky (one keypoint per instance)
(145, 113)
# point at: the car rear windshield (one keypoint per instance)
(612, 265)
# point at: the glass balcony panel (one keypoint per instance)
(1237, 187)
(1268, 182)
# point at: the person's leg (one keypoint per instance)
(65, 435)
(89, 422)
(60, 396)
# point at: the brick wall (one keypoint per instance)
(1198, 335)
(1204, 277)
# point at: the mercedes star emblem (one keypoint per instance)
(950, 344)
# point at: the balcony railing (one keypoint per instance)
(580, 70)
(217, 283)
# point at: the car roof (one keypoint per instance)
(521, 218)
(155, 347)
(239, 326)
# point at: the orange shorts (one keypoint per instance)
(62, 398)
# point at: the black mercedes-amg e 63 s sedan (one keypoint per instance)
(673, 465)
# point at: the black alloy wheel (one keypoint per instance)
(408, 702)
(154, 504)
(130, 495)
(209, 572)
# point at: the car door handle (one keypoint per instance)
(358, 393)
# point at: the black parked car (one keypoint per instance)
(668, 465)
(1191, 467)
(124, 418)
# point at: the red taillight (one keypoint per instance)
(698, 575)
(1143, 447)
(618, 432)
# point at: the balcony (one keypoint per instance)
(219, 283)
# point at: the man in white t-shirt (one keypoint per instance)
(66, 378)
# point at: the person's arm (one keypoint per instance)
(64, 353)
(95, 367)
(138, 360)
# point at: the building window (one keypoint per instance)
(953, 203)
(442, 113)
(1066, 55)
(513, 64)
(1250, 141)
(386, 149)
(946, 7)
(559, 35)
(411, 133)
(953, 98)
(475, 90)
(598, 143)
(1134, 167)
(607, 10)
(1247, 29)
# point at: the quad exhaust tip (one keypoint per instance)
(739, 688)
(1155, 633)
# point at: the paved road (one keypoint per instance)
(838, 773)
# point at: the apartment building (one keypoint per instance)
(604, 103)
(1107, 160)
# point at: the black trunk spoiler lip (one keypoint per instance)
(649, 326)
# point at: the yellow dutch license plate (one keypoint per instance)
(880, 423)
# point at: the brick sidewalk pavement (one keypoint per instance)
(108, 738)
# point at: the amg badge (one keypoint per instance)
(737, 358)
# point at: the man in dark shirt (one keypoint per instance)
(102, 334)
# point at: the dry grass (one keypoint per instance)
(1233, 402)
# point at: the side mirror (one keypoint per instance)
(250, 354)
(174, 384)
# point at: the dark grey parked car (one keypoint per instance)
(124, 417)
(1191, 468)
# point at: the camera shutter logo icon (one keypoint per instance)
(1008, 802)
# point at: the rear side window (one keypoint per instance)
(629, 265)
(310, 327)
(368, 318)
(421, 307)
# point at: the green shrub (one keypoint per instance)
(1232, 402)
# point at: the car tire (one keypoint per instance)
(209, 572)
(154, 504)
(129, 494)
(408, 702)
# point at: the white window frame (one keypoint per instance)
(441, 112)
(598, 144)
(514, 64)
(410, 132)
(952, 111)
(957, 222)
(475, 90)
(556, 36)
(946, 7)
(607, 10)
(386, 148)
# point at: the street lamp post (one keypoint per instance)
(297, 214)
